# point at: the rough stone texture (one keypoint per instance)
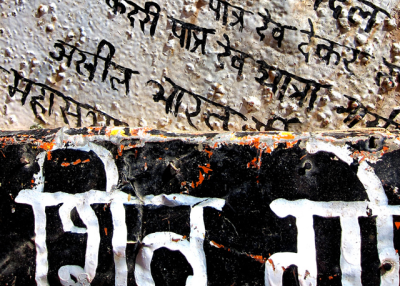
(276, 32)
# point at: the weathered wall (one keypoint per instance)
(221, 65)
(157, 206)
(135, 206)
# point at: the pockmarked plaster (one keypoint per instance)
(205, 65)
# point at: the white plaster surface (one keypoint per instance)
(29, 30)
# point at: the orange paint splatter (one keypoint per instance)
(201, 179)
(258, 258)
(206, 169)
(136, 153)
(385, 149)
(33, 181)
(397, 224)
(105, 231)
(208, 152)
(272, 263)
(291, 144)
(183, 184)
(330, 277)
(269, 150)
(259, 160)
(285, 135)
(193, 186)
(48, 155)
(77, 162)
(134, 132)
(252, 163)
(175, 240)
(47, 146)
(65, 164)
(256, 142)
(120, 149)
(216, 244)
(86, 161)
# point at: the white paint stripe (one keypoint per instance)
(350, 251)
(119, 242)
(89, 218)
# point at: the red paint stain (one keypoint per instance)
(48, 155)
